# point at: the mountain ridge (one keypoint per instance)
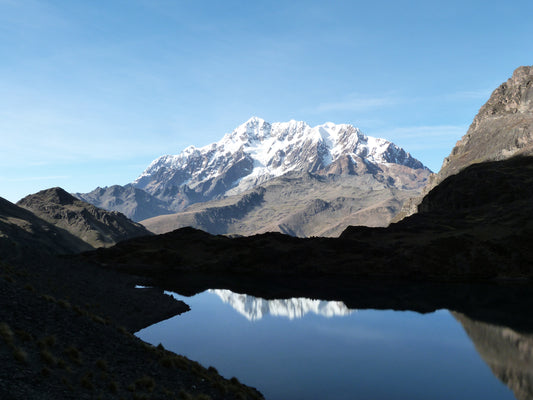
(93, 225)
(190, 188)
(257, 151)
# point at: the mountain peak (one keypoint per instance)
(257, 151)
(254, 121)
(502, 128)
(55, 195)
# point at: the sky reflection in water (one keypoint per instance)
(329, 352)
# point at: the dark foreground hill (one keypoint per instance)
(66, 333)
(475, 225)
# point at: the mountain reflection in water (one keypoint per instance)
(255, 308)
(508, 353)
(368, 354)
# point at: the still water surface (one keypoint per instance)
(310, 349)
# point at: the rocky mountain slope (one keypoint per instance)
(502, 128)
(134, 203)
(94, 226)
(252, 160)
(21, 232)
(302, 205)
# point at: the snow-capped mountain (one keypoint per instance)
(258, 151)
(255, 308)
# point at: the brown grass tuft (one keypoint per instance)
(6, 332)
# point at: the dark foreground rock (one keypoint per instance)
(66, 326)
(66, 333)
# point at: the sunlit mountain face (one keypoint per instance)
(255, 308)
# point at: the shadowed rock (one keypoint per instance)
(96, 227)
(502, 129)
(23, 234)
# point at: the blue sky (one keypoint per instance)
(92, 91)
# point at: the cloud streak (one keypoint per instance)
(426, 132)
(357, 104)
(34, 178)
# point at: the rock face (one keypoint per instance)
(135, 203)
(302, 205)
(23, 235)
(245, 164)
(96, 227)
(502, 128)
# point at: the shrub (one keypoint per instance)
(23, 335)
(48, 357)
(113, 387)
(20, 355)
(146, 382)
(183, 395)
(74, 354)
(86, 382)
(29, 287)
(6, 333)
(64, 304)
(49, 340)
(167, 362)
(102, 364)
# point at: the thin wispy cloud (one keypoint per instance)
(358, 104)
(34, 178)
(426, 132)
(481, 94)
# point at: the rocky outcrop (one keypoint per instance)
(94, 226)
(134, 203)
(23, 235)
(502, 128)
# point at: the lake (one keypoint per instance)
(310, 349)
